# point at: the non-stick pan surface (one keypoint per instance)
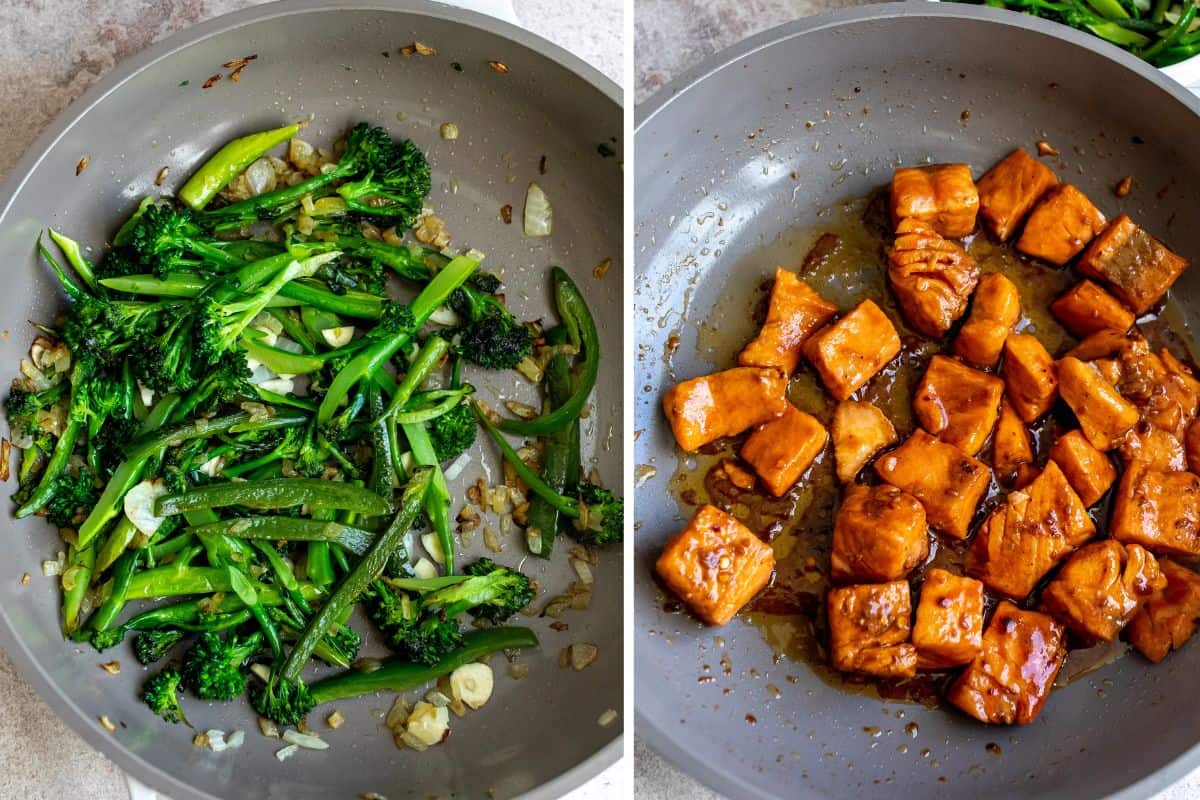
(326, 59)
(762, 139)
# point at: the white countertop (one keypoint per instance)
(44, 65)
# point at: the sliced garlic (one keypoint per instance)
(428, 724)
(279, 385)
(139, 505)
(339, 336)
(424, 569)
(212, 467)
(432, 546)
(472, 684)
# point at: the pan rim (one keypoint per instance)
(656, 735)
(24, 662)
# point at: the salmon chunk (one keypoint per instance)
(958, 404)
(1135, 266)
(995, 311)
(1010, 189)
(1061, 225)
(860, 430)
(868, 630)
(948, 631)
(931, 277)
(1086, 308)
(722, 404)
(1168, 618)
(795, 311)
(1191, 445)
(1104, 415)
(947, 481)
(1100, 588)
(715, 565)
(1090, 472)
(1012, 449)
(879, 534)
(1159, 510)
(782, 449)
(1164, 390)
(943, 195)
(1026, 537)
(1154, 447)
(849, 352)
(1030, 382)
(1010, 680)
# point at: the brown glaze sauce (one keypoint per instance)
(844, 260)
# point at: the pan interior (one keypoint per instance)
(331, 65)
(774, 139)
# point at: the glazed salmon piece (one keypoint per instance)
(1100, 588)
(879, 534)
(1090, 472)
(722, 404)
(1030, 382)
(1154, 447)
(1159, 510)
(1010, 189)
(848, 353)
(931, 277)
(1135, 266)
(958, 404)
(782, 449)
(1026, 537)
(1085, 308)
(1012, 449)
(1164, 390)
(794, 312)
(1192, 446)
(715, 565)
(860, 430)
(868, 630)
(948, 631)
(1010, 680)
(1103, 345)
(943, 195)
(948, 482)
(1168, 617)
(1061, 225)
(1104, 415)
(995, 311)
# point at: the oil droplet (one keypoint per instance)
(925, 752)
(773, 690)
(912, 729)
(873, 731)
(902, 749)
(993, 748)
(750, 718)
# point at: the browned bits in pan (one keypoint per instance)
(5, 452)
(82, 165)
(602, 268)
(826, 245)
(161, 177)
(239, 63)
(417, 49)
(506, 214)
(211, 82)
(543, 166)
(499, 66)
(1044, 148)
(236, 75)
(1123, 186)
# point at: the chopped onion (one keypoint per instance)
(216, 740)
(260, 176)
(235, 739)
(284, 753)
(139, 505)
(279, 385)
(428, 723)
(457, 466)
(284, 343)
(146, 393)
(538, 216)
(212, 467)
(307, 741)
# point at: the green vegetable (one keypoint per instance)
(229, 162)
(212, 667)
(276, 493)
(291, 529)
(560, 452)
(160, 693)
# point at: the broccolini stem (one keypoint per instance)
(291, 529)
(558, 451)
(123, 572)
(437, 501)
(70, 250)
(275, 493)
(229, 162)
(400, 675)
(539, 487)
(57, 465)
(428, 357)
(75, 581)
(368, 568)
(118, 540)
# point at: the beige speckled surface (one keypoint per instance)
(670, 37)
(44, 65)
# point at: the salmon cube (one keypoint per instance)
(1164, 390)
(1135, 266)
(1168, 617)
(1026, 537)
(1159, 510)
(849, 352)
(782, 449)
(1191, 444)
(958, 404)
(1154, 447)
(1061, 225)
(1103, 345)
(1085, 308)
(995, 310)
(715, 565)
(860, 430)
(879, 534)
(1012, 449)
(1090, 472)
(948, 631)
(1100, 588)
(1010, 189)
(943, 195)
(795, 311)
(947, 481)
(1030, 382)
(868, 630)
(1010, 680)
(1104, 416)
(931, 277)
(722, 404)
